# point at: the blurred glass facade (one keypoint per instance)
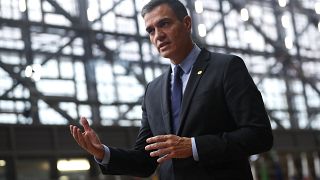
(60, 60)
(95, 57)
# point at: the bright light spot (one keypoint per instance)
(90, 14)
(198, 6)
(285, 20)
(73, 165)
(288, 42)
(244, 14)
(202, 30)
(319, 26)
(22, 5)
(2, 163)
(282, 3)
(254, 157)
(63, 178)
(28, 71)
(36, 77)
(37, 67)
(317, 7)
(33, 71)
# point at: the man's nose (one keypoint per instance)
(159, 35)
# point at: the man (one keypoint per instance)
(201, 119)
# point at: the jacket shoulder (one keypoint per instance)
(224, 58)
(219, 61)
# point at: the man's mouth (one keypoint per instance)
(162, 45)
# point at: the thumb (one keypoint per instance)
(85, 124)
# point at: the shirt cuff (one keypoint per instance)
(194, 149)
(106, 157)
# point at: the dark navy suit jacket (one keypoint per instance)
(221, 108)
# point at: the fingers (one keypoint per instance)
(164, 158)
(164, 155)
(81, 140)
(158, 145)
(73, 130)
(77, 135)
(162, 141)
(87, 139)
(85, 124)
(161, 152)
(169, 146)
(159, 138)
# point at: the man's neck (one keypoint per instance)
(187, 50)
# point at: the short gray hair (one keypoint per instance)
(178, 8)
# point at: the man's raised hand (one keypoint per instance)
(88, 139)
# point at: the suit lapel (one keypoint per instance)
(165, 98)
(198, 70)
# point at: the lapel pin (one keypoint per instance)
(199, 72)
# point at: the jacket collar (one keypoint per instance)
(197, 72)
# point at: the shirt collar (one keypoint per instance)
(188, 62)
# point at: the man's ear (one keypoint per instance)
(187, 22)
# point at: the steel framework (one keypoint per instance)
(96, 58)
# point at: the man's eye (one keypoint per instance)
(150, 31)
(163, 24)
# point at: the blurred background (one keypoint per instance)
(63, 59)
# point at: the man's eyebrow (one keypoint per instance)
(158, 22)
(163, 19)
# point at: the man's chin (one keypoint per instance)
(165, 54)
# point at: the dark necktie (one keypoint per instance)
(176, 97)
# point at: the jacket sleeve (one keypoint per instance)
(253, 132)
(134, 162)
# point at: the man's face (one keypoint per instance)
(170, 36)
